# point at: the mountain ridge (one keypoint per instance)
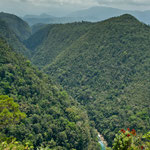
(46, 41)
(105, 70)
(93, 14)
(16, 24)
(104, 66)
(10, 36)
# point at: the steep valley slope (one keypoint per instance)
(54, 119)
(106, 68)
(14, 30)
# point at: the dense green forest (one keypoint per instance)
(10, 32)
(107, 70)
(17, 25)
(53, 119)
(103, 68)
(47, 43)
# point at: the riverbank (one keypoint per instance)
(102, 139)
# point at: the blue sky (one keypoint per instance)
(63, 7)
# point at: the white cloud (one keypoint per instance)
(127, 2)
(62, 7)
(83, 2)
(59, 2)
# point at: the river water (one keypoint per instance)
(101, 143)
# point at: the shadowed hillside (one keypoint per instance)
(17, 25)
(10, 36)
(107, 70)
(47, 43)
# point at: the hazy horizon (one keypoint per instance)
(61, 8)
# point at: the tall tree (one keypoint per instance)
(9, 112)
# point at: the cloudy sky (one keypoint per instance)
(63, 7)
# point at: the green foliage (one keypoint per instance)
(146, 138)
(10, 115)
(37, 27)
(47, 43)
(11, 29)
(123, 141)
(17, 25)
(15, 145)
(107, 70)
(128, 140)
(54, 119)
(104, 66)
(9, 112)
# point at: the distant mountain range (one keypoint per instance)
(93, 14)
(44, 15)
(47, 19)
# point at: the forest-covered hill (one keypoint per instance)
(14, 31)
(16, 24)
(47, 43)
(104, 66)
(54, 119)
(107, 70)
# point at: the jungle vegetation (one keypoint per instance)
(97, 76)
